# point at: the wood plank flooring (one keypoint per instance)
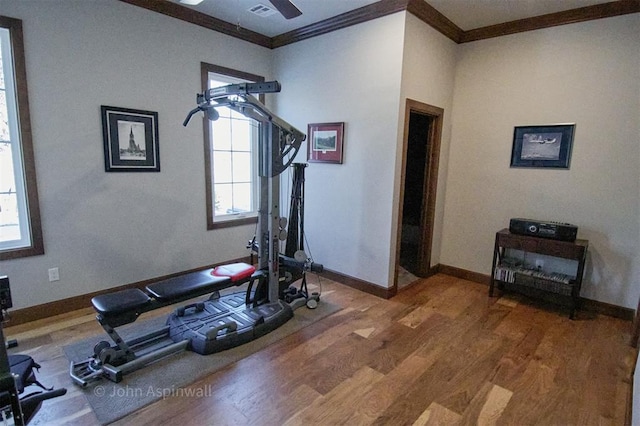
(439, 353)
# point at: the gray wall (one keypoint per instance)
(587, 74)
(108, 229)
(352, 76)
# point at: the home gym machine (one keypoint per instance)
(220, 322)
(17, 375)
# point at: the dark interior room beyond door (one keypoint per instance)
(421, 152)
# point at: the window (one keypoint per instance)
(231, 156)
(20, 230)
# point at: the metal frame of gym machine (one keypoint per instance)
(222, 322)
(278, 146)
(274, 300)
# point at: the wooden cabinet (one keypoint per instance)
(511, 275)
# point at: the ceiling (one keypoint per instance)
(466, 14)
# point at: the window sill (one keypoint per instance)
(232, 222)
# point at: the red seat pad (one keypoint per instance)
(235, 271)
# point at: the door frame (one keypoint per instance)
(430, 184)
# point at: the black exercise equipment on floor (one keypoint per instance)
(220, 322)
(17, 375)
(125, 306)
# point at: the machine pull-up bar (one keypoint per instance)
(242, 89)
(238, 97)
(279, 141)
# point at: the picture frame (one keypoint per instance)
(130, 138)
(325, 142)
(543, 146)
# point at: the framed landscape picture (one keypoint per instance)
(325, 142)
(542, 146)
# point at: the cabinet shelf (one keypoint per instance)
(516, 276)
(511, 274)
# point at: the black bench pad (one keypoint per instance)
(196, 283)
(125, 305)
(131, 299)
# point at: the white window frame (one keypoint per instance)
(228, 117)
(216, 73)
(22, 178)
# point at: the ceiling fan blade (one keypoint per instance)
(286, 8)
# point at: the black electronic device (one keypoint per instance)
(5, 293)
(538, 228)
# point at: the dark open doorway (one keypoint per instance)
(421, 151)
(414, 193)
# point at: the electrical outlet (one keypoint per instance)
(54, 274)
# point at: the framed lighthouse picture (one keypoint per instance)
(130, 140)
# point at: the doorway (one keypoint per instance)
(421, 152)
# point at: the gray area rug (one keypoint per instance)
(112, 401)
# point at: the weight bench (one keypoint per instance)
(125, 306)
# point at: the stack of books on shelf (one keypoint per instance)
(515, 272)
(505, 273)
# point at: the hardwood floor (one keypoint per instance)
(440, 352)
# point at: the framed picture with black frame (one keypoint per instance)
(542, 146)
(130, 139)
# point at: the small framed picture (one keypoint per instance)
(325, 141)
(542, 146)
(130, 140)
